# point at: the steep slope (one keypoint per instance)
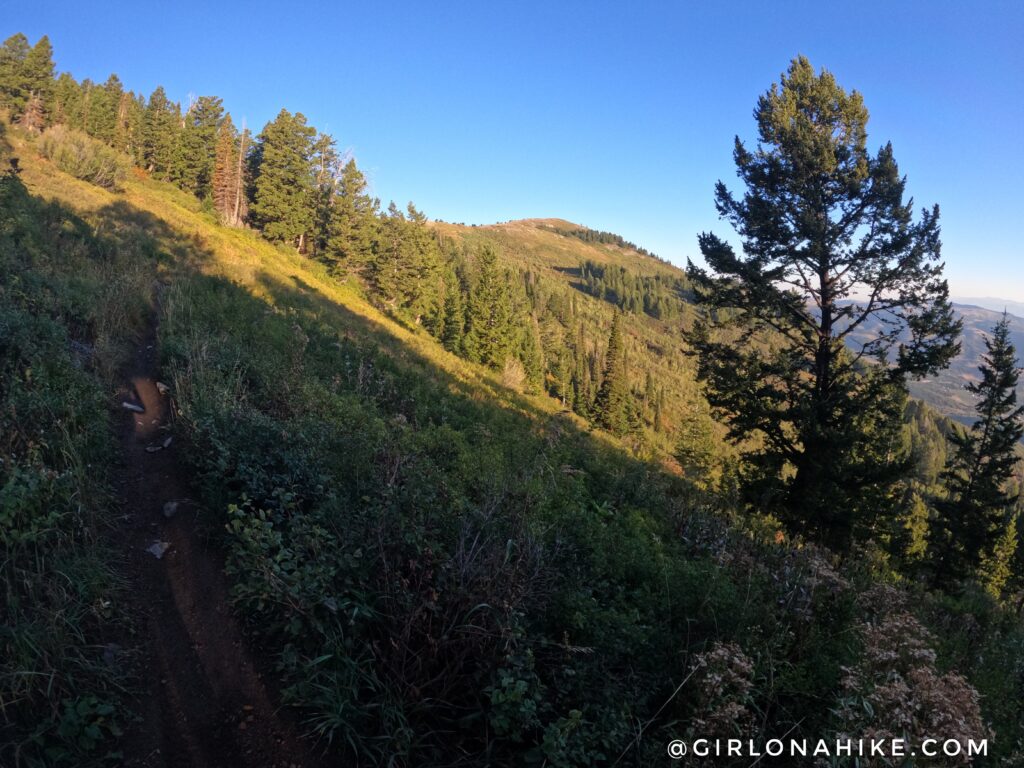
(442, 570)
(549, 247)
(549, 244)
(575, 280)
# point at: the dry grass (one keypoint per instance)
(194, 241)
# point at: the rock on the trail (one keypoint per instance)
(158, 548)
(168, 441)
(170, 508)
(162, 388)
(133, 407)
(154, 448)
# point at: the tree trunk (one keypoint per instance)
(235, 217)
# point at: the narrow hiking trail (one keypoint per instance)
(202, 701)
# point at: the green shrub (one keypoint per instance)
(58, 696)
(83, 157)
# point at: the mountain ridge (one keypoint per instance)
(544, 243)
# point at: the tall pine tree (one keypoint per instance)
(26, 74)
(822, 221)
(353, 220)
(102, 106)
(979, 502)
(326, 179)
(613, 405)
(283, 200)
(490, 319)
(67, 102)
(196, 150)
(13, 92)
(161, 122)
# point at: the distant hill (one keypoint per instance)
(946, 392)
(557, 245)
(553, 249)
(995, 304)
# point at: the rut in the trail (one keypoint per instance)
(203, 703)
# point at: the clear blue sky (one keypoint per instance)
(617, 115)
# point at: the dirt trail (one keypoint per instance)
(204, 703)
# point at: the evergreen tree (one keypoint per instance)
(87, 92)
(821, 222)
(14, 91)
(979, 499)
(39, 70)
(424, 291)
(161, 122)
(38, 82)
(696, 449)
(996, 566)
(561, 373)
(128, 129)
(67, 102)
(531, 353)
(391, 259)
(353, 220)
(103, 106)
(613, 404)
(583, 376)
(130, 118)
(282, 205)
(240, 211)
(490, 319)
(326, 179)
(454, 314)
(196, 150)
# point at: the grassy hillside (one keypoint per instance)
(387, 491)
(445, 570)
(662, 376)
(545, 244)
(70, 302)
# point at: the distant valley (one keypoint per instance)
(946, 392)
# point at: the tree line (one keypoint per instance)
(292, 184)
(660, 296)
(603, 238)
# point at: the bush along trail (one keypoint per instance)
(202, 701)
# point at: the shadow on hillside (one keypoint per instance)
(134, 227)
(186, 256)
(571, 271)
(175, 255)
(318, 310)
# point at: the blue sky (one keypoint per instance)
(617, 115)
